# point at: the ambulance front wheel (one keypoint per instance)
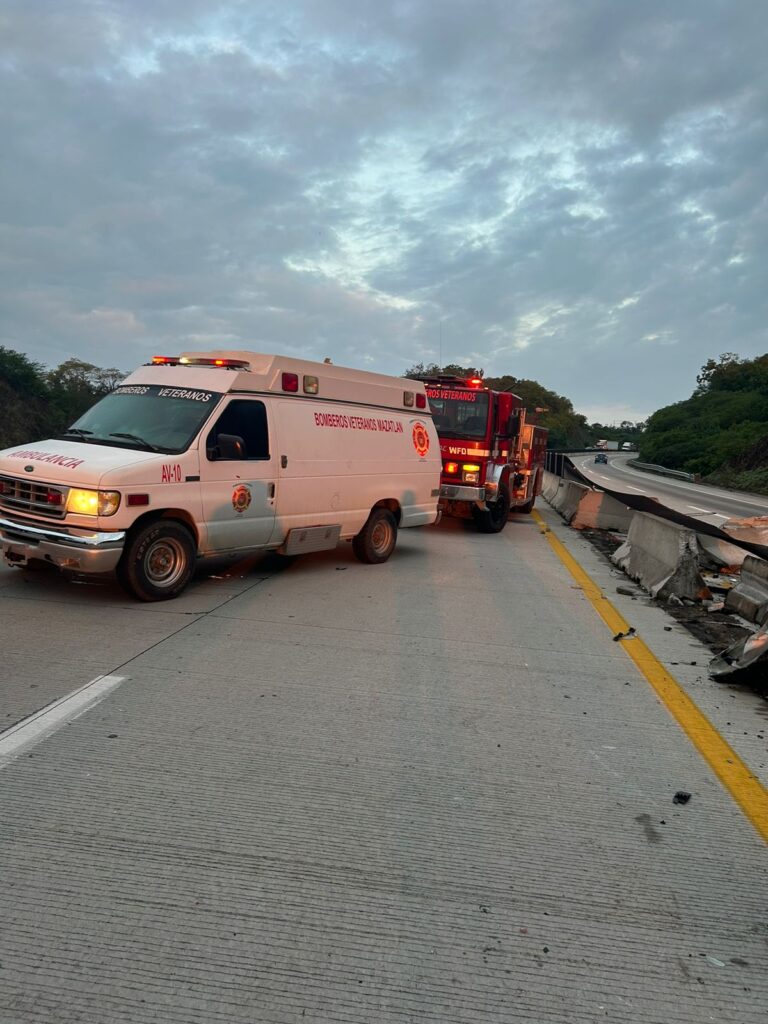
(158, 561)
(376, 541)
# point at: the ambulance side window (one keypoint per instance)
(244, 419)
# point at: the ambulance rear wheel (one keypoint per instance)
(495, 519)
(376, 541)
(158, 561)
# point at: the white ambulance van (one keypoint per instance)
(223, 453)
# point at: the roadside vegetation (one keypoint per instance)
(721, 431)
(38, 403)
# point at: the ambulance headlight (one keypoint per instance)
(470, 473)
(93, 503)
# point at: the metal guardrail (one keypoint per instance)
(554, 463)
(649, 467)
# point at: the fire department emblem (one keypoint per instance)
(420, 439)
(241, 498)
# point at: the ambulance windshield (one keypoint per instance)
(459, 414)
(146, 416)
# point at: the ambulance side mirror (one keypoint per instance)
(230, 446)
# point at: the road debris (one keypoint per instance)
(745, 661)
(626, 636)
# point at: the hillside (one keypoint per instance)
(721, 431)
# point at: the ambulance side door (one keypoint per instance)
(238, 477)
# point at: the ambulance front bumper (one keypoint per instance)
(76, 550)
(453, 492)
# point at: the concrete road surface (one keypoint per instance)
(434, 790)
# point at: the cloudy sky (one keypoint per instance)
(572, 191)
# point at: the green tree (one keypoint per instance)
(24, 399)
(75, 385)
(708, 433)
(37, 403)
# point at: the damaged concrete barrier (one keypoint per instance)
(744, 662)
(749, 598)
(753, 530)
(599, 511)
(721, 552)
(663, 557)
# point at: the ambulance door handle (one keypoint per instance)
(271, 490)
(283, 461)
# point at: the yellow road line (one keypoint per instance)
(745, 788)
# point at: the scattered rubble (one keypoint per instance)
(710, 624)
(745, 662)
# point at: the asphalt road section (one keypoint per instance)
(435, 790)
(713, 505)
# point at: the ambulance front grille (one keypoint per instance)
(29, 496)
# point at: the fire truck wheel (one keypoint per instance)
(376, 541)
(158, 561)
(495, 519)
(527, 508)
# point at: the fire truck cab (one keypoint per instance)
(493, 459)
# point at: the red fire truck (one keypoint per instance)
(493, 460)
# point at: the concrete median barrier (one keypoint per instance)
(583, 507)
(749, 598)
(566, 499)
(599, 511)
(663, 558)
(550, 485)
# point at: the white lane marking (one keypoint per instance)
(635, 489)
(706, 511)
(45, 722)
(603, 477)
(719, 515)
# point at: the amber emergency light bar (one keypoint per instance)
(228, 364)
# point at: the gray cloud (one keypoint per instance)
(573, 193)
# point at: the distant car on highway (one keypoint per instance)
(601, 457)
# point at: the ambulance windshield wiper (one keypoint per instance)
(138, 440)
(76, 432)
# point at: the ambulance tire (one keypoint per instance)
(376, 541)
(158, 561)
(495, 519)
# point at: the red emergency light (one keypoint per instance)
(475, 382)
